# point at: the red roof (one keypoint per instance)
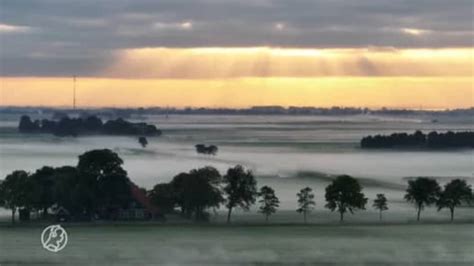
(140, 196)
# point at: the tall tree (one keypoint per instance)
(306, 201)
(240, 187)
(200, 190)
(143, 141)
(67, 193)
(13, 192)
(269, 201)
(163, 196)
(380, 204)
(454, 194)
(345, 194)
(422, 192)
(40, 189)
(104, 179)
(177, 185)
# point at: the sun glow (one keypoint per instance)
(241, 77)
(216, 62)
(398, 92)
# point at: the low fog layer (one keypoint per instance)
(286, 153)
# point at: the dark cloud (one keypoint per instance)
(80, 36)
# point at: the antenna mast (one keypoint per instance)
(74, 92)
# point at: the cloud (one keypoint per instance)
(216, 63)
(185, 25)
(6, 28)
(95, 29)
(415, 32)
(280, 26)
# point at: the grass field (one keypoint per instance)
(402, 244)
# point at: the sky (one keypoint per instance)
(234, 53)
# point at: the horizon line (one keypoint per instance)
(373, 108)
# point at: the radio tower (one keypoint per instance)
(74, 92)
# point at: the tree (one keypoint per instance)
(210, 150)
(177, 185)
(380, 204)
(99, 163)
(106, 184)
(422, 192)
(114, 192)
(40, 189)
(66, 126)
(143, 141)
(67, 193)
(27, 126)
(163, 196)
(13, 191)
(344, 194)
(269, 201)
(199, 190)
(92, 124)
(240, 188)
(306, 201)
(454, 193)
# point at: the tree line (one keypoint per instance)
(88, 125)
(257, 110)
(432, 140)
(98, 187)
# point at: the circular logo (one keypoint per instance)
(54, 238)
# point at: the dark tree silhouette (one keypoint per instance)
(41, 189)
(210, 150)
(454, 194)
(104, 179)
(28, 126)
(143, 141)
(345, 194)
(12, 192)
(422, 192)
(66, 126)
(203, 190)
(177, 185)
(380, 204)
(67, 191)
(306, 201)
(199, 190)
(434, 140)
(98, 185)
(240, 187)
(164, 197)
(93, 124)
(269, 201)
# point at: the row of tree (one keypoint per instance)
(99, 187)
(202, 189)
(432, 140)
(88, 125)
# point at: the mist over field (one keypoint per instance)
(285, 152)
